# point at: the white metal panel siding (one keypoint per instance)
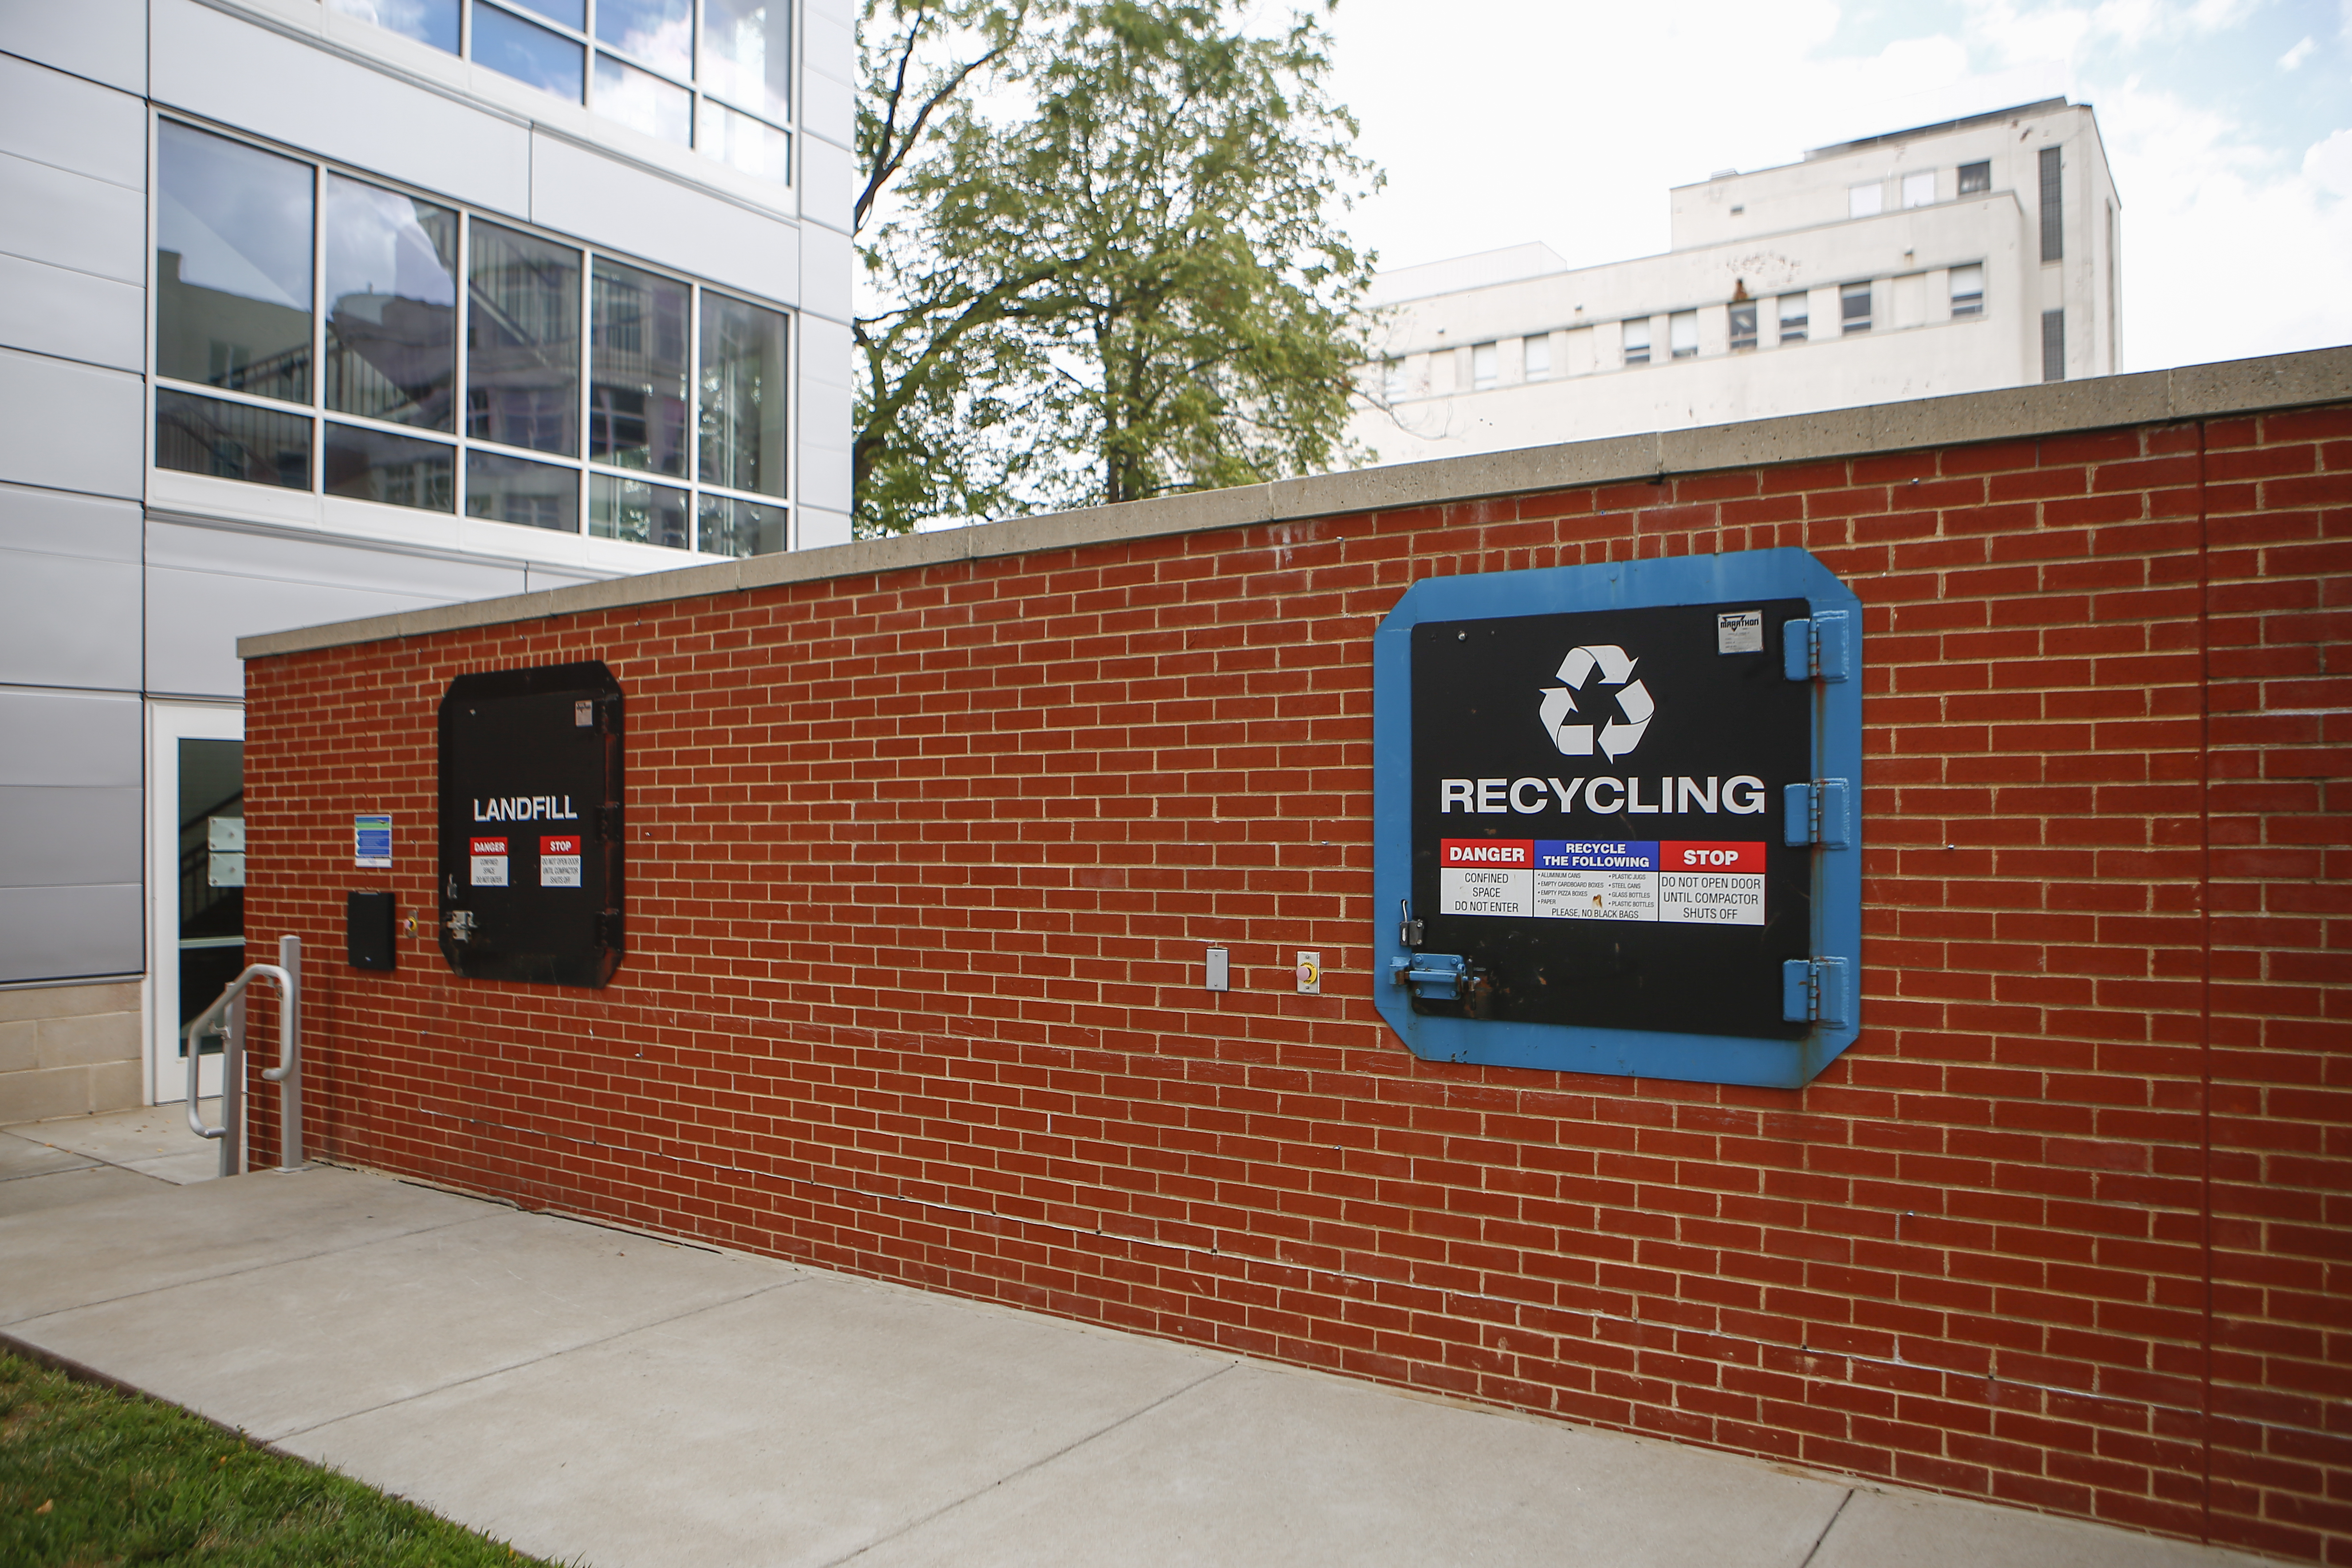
(607, 202)
(105, 40)
(68, 123)
(69, 593)
(68, 739)
(71, 220)
(213, 64)
(62, 836)
(825, 260)
(826, 191)
(54, 311)
(825, 398)
(71, 427)
(207, 588)
(829, 92)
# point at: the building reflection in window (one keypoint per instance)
(232, 228)
(392, 306)
(637, 370)
(742, 413)
(522, 341)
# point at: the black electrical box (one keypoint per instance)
(1598, 815)
(367, 930)
(531, 841)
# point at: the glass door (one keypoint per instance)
(196, 887)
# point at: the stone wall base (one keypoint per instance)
(68, 1051)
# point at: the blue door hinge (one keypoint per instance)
(1434, 977)
(1817, 649)
(1817, 991)
(1819, 812)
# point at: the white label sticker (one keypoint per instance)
(1739, 631)
(490, 858)
(559, 861)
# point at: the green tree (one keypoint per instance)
(1106, 268)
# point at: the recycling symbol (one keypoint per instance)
(1570, 727)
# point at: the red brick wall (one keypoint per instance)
(922, 864)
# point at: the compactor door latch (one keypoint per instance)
(1433, 976)
(1411, 932)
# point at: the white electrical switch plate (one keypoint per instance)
(1221, 972)
(1310, 975)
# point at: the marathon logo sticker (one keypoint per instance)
(559, 861)
(489, 857)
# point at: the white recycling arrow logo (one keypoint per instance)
(1571, 730)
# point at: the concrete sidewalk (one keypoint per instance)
(603, 1397)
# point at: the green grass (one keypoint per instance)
(90, 1477)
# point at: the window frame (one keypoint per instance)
(1781, 318)
(457, 441)
(1745, 342)
(1624, 345)
(1974, 308)
(1846, 318)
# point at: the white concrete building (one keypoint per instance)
(313, 309)
(1976, 254)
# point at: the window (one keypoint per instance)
(392, 306)
(1976, 179)
(433, 22)
(531, 54)
(1919, 189)
(637, 67)
(1853, 308)
(522, 341)
(395, 470)
(1682, 335)
(1794, 311)
(1866, 201)
(1743, 325)
(1482, 366)
(578, 392)
(233, 236)
(1637, 341)
(1967, 291)
(231, 440)
(2053, 228)
(2054, 345)
(747, 53)
(637, 371)
(622, 508)
(1537, 357)
(743, 411)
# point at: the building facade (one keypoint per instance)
(1976, 254)
(317, 308)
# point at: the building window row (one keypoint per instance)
(1915, 189)
(711, 74)
(1860, 310)
(447, 362)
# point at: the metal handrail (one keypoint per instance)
(286, 976)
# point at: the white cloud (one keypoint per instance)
(2224, 255)
(2297, 55)
(2329, 164)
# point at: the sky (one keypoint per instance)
(2227, 123)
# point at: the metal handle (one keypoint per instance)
(286, 975)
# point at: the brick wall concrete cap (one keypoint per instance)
(2189, 392)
